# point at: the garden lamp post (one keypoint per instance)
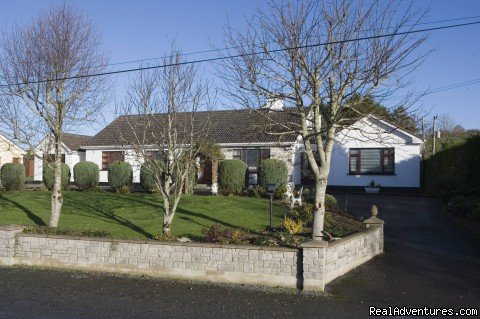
(271, 188)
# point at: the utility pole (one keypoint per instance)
(434, 132)
(423, 128)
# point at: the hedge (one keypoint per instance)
(49, 175)
(12, 176)
(120, 176)
(232, 174)
(454, 170)
(86, 175)
(272, 171)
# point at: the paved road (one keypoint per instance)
(427, 261)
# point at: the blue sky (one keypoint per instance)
(134, 30)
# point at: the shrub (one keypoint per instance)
(49, 175)
(232, 177)
(292, 226)
(217, 234)
(258, 191)
(60, 231)
(166, 237)
(273, 171)
(330, 203)
(303, 213)
(148, 171)
(12, 176)
(191, 180)
(86, 175)
(120, 176)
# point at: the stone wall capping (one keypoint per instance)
(11, 227)
(315, 244)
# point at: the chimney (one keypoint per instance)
(274, 104)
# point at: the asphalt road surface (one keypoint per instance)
(428, 261)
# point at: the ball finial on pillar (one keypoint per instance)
(374, 210)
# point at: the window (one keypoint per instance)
(372, 161)
(110, 157)
(51, 158)
(152, 155)
(252, 156)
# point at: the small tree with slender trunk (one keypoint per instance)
(308, 54)
(44, 83)
(163, 128)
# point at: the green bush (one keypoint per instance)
(232, 175)
(120, 176)
(148, 171)
(86, 175)
(61, 231)
(303, 213)
(330, 203)
(12, 176)
(191, 180)
(273, 171)
(49, 175)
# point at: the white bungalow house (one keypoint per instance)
(370, 149)
(10, 152)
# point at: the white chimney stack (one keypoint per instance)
(274, 104)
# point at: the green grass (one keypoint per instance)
(137, 215)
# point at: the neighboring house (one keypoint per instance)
(71, 152)
(370, 149)
(10, 152)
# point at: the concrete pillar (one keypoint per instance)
(374, 221)
(314, 256)
(7, 243)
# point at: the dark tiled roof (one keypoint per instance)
(223, 126)
(74, 141)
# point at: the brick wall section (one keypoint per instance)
(345, 254)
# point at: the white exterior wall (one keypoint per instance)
(96, 157)
(71, 158)
(407, 167)
(366, 135)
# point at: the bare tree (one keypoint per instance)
(308, 54)
(163, 128)
(44, 84)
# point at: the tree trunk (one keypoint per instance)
(319, 213)
(57, 198)
(167, 223)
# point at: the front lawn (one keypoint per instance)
(137, 215)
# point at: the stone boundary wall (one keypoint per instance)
(352, 251)
(309, 267)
